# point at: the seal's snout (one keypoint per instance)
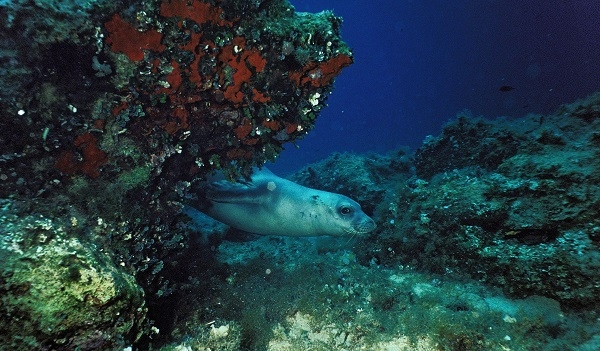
(369, 225)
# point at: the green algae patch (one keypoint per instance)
(59, 292)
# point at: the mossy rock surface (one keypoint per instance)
(60, 293)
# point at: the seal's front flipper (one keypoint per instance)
(243, 191)
(228, 192)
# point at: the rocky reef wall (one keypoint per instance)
(110, 112)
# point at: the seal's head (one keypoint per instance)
(348, 217)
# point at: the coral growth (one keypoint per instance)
(320, 74)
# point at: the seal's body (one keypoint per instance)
(271, 205)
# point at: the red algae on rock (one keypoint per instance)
(207, 60)
(90, 160)
(124, 38)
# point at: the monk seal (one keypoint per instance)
(269, 205)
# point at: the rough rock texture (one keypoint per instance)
(285, 294)
(31, 30)
(524, 216)
(464, 142)
(59, 292)
(224, 85)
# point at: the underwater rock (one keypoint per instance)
(288, 294)
(465, 142)
(523, 216)
(192, 86)
(221, 335)
(28, 31)
(59, 292)
(215, 80)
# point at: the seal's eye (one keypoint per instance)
(345, 210)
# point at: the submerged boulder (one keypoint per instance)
(59, 291)
(510, 202)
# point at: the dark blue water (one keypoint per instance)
(418, 63)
